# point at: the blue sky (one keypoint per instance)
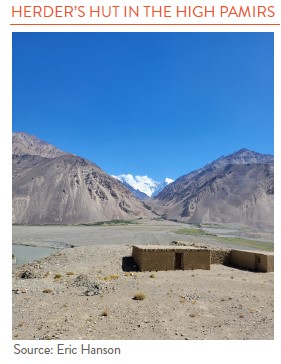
(156, 104)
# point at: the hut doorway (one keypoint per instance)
(257, 263)
(178, 260)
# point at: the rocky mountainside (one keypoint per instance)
(24, 143)
(238, 188)
(53, 187)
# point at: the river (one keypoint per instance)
(25, 254)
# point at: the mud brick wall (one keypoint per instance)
(197, 259)
(164, 259)
(260, 262)
(150, 260)
(270, 263)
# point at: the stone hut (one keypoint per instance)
(157, 257)
(180, 257)
(253, 260)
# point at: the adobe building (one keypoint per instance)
(162, 257)
(157, 258)
(253, 260)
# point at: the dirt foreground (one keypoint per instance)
(88, 293)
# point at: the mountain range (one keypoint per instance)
(51, 186)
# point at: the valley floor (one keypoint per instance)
(143, 231)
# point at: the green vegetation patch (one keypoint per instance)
(111, 223)
(262, 245)
(194, 231)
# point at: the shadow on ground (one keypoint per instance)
(128, 265)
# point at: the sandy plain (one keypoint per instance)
(87, 291)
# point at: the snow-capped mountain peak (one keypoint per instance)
(168, 180)
(161, 186)
(144, 184)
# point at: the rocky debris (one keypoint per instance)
(25, 274)
(82, 280)
(190, 296)
(178, 243)
(93, 288)
(30, 271)
(47, 337)
(18, 291)
(184, 243)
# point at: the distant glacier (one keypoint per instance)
(143, 184)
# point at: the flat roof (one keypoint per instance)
(253, 251)
(167, 247)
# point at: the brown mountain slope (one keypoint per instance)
(66, 190)
(236, 189)
(24, 143)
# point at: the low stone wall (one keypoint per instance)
(221, 257)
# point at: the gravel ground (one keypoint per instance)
(84, 293)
